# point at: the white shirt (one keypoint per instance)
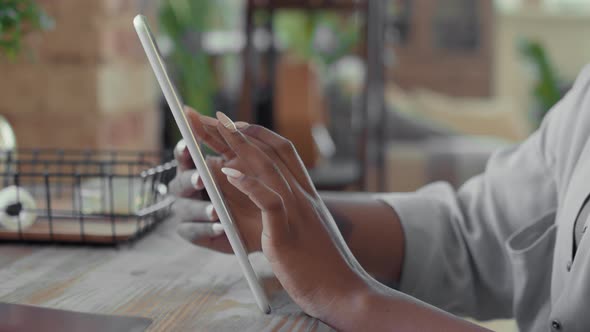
(502, 245)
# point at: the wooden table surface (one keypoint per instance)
(179, 286)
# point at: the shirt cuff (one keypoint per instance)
(422, 221)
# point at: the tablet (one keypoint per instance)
(176, 106)
(19, 318)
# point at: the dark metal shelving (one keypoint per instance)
(371, 142)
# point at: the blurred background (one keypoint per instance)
(379, 95)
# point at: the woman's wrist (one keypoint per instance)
(346, 305)
(372, 309)
(373, 232)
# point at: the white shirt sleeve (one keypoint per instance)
(455, 252)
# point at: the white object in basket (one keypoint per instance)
(17, 208)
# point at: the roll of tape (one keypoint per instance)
(17, 206)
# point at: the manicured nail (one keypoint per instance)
(232, 173)
(209, 121)
(195, 181)
(241, 124)
(210, 211)
(217, 229)
(180, 147)
(226, 122)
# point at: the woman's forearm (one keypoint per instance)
(372, 231)
(375, 310)
(375, 236)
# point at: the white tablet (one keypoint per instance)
(151, 49)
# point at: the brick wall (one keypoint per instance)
(420, 64)
(88, 84)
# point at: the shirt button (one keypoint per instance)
(569, 266)
(556, 325)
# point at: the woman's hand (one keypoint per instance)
(264, 157)
(199, 220)
(267, 186)
(294, 236)
(279, 211)
(299, 241)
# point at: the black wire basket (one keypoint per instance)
(82, 196)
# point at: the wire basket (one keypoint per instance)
(82, 196)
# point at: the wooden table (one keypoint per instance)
(179, 286)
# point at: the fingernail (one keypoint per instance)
(226, 122)
(195, 181)
(180, 147)
(217, 229)
(241, 124)
(232, 173)
(210, 211)
(208, 120)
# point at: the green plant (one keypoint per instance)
(546, 89)
(183, 21)
(297, 29)
(18, 17)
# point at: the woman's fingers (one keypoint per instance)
(258, 163)
(274, 215)
(283, 148)
(211, 129)
(199, 123)
(190, 210)
(288, 175)
(183, 157)
(186, 184)
(199, 232)
(294, 173)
